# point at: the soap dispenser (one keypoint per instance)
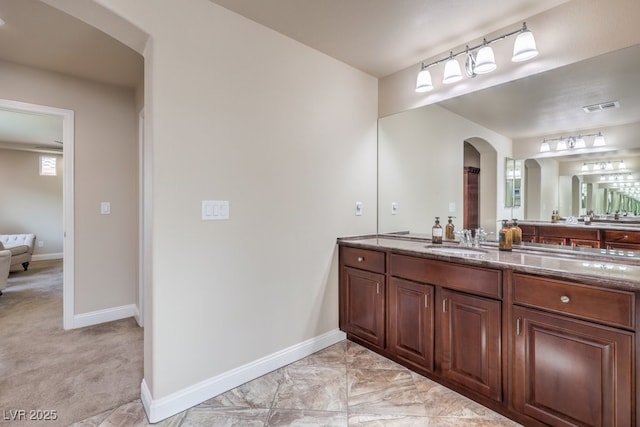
(449, 230)
(516, 233)
(436, 232)
(505, 241)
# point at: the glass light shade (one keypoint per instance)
(544, 147)
(630, 177)
(621, 165)
(609, 166)
(585, 168)
(525, 47)
(452, 72)
(599, 141)
(562, 145)
(602, 178)
(579, 143)
(485, 61)
(424, 84)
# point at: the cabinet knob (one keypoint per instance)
(565, 299)
(360, 259)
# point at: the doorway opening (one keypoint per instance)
(67, 117)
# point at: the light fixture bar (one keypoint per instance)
(468, 49)
(573, 142)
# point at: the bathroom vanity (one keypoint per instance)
(545, 337)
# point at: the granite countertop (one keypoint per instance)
(589, 269)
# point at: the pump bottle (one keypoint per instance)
(436, 232)
(449, 230)
(516, 233)
(505, 242)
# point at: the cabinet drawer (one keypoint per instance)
(363, 259)
(479, 281)
(602, 305)
(612, 236)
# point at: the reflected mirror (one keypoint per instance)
(422, 156)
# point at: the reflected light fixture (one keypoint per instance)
(452, 71)
(525, 46)
(572, 142)
(483, 62)
(424, 84)
(599, 141)
(544, 147)
(579, 142)
(585, 167)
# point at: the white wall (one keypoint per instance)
(287, 135)
(31, 203)
(106, 165)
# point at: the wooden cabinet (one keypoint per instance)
(573, 353)
(362, 295)
(470, 342)
(541, 350)
(569, 236)
(411, 309)
(467, 336)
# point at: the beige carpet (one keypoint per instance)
(77, 373)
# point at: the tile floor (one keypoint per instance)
(343, 385)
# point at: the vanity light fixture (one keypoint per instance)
(452, 71)
(572, 142)
(585, 168)
(483, 62)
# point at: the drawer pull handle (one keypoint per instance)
(565, 299)
(360, 259)
(444, 305)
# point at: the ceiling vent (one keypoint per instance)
(601, 107)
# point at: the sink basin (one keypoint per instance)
(449, 250)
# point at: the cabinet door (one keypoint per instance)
(362, 305)
(410, 313)
(470, 342)
(571, 373)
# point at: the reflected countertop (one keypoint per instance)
(618, 225)
(622, 273)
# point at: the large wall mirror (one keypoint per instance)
(422, 158)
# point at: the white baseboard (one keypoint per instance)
(104, 316)
(46, 257)
(165, 407)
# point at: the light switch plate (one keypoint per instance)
(394, 208)
(452, 207)
(105, 208)
(358, 208)
(215, 210)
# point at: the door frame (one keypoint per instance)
(68, 226)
